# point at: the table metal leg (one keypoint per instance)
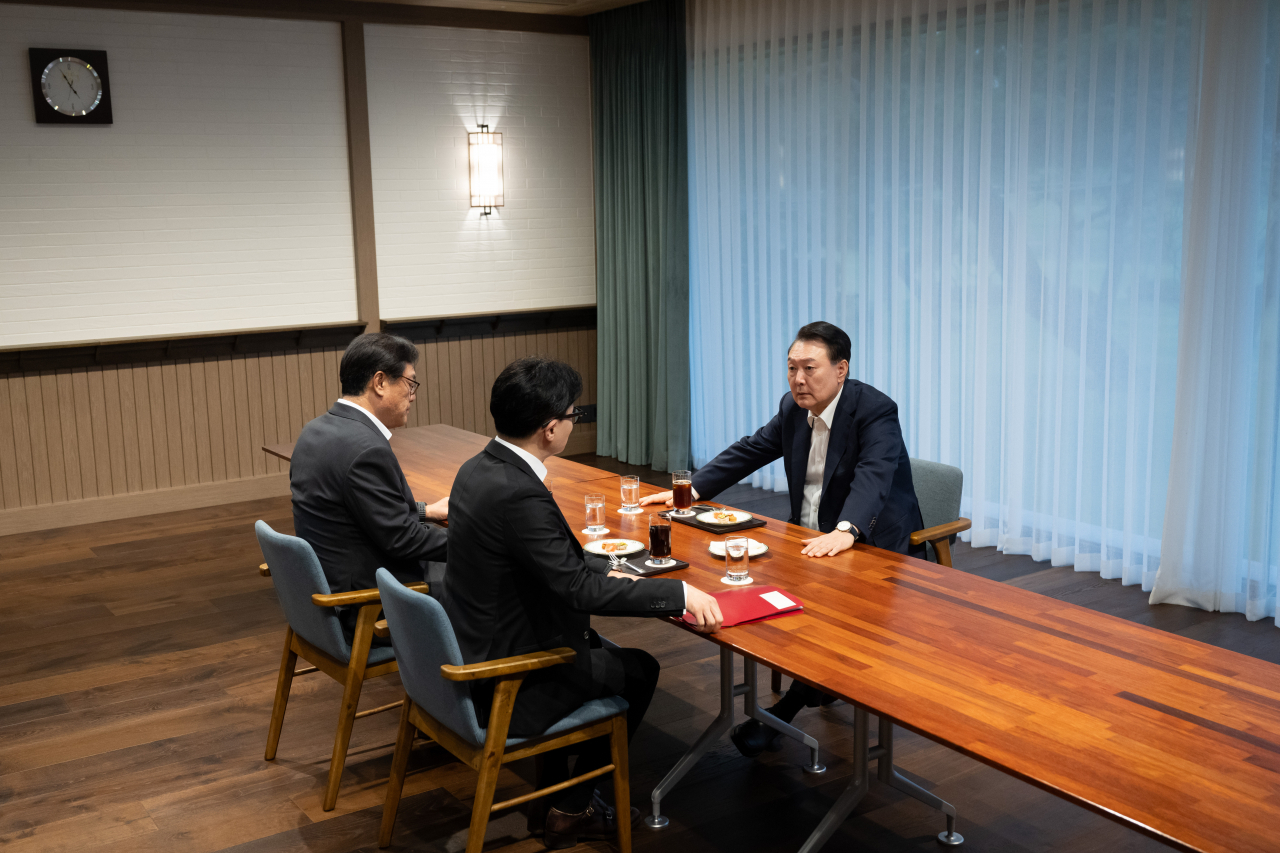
(751, 707)
(714, 732)
(851, 795)
(721, 724)
(887, 773)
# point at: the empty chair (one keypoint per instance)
(438, 703)
(938, 489)
(315, 634)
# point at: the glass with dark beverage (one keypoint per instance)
(682, 492)
(659, 541)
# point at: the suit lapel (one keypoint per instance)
(799, 460)
(838, 443)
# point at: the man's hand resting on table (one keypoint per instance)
(704, 608)
(828, 544)
(664, 498)
(438, 511)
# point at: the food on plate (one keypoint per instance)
(725, 517)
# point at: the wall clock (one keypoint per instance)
(70, 86)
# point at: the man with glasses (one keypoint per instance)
(519, 583)
(350, 499)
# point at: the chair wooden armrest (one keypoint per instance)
(264, 571)
(359, 596)
(381, 629)
(942, 531)
(508, 666)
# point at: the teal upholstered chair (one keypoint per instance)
(315, 635)
(438, 703)
(938, 489)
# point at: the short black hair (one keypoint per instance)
(839, 348)
(531, 391)
(369, 354)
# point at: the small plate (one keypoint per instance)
(754, 548)
(624, 547)
(738, 516)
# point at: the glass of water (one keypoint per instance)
(736, 561)
(630, 496)
(595, 515)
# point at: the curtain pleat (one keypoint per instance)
(639, 92)
(1222, 524)
(989, 199)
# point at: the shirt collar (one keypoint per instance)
(829, 413)
(386, 433)
(539, 470)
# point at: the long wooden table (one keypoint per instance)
(1175, 738)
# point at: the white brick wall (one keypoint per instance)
(437, 256)
(218, 200)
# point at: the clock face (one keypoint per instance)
(71, 86)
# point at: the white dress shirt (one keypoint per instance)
(386, 433)
(821, 426)
(540, 471)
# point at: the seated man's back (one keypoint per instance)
(351, 502)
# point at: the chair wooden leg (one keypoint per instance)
(942, 547)
(350, 701)
(285, 681)
(775, 681)
(621, 781)
(399, 764)
(504, 700)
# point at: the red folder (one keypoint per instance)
(752, 604)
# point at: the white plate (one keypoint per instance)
(597, 547)
(754, 548)
(738, 517)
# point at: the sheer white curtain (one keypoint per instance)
(988, 198)
(1222, 528)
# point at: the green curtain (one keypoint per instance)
(638, 72)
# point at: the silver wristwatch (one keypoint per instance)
(845, 527)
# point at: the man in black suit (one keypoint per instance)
(519, 583)
(848, 474)
(350, 499)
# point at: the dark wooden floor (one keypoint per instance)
(138, 659)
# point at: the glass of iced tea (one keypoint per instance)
(595, 515)
(659, 541)
(630, 496)
(682, 492)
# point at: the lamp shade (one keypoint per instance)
(484, 152)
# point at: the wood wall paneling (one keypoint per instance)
(84, 436)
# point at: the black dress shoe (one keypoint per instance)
(597, 823)
(754, 737)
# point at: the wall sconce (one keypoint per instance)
(484, 152)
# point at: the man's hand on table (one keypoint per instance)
(704, 608)
(665, 498)
(438, 511)
(828, 544)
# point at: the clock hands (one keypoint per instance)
(69, 83)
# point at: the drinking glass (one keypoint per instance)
(630, 496)
(659, 541)
(595, 515)
(736, 560)
(682, 492)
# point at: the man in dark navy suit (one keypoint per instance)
(847, 471)
(350, 499)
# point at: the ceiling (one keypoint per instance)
(544, 7)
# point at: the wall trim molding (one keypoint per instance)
(344, 10)
(55, 357)
(47, 516)
(472, 325)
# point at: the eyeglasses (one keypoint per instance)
(414, 384)
(576, 415)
